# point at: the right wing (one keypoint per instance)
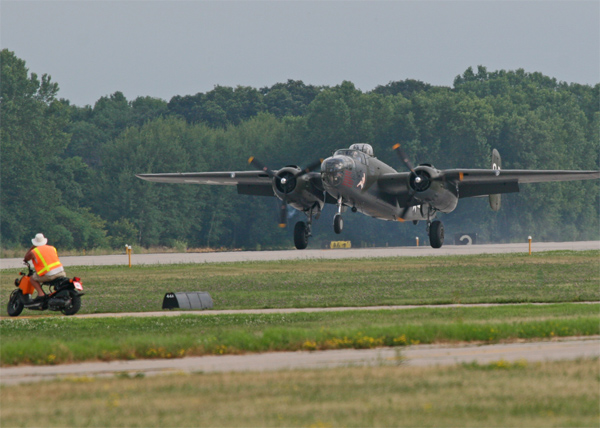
(247, 182)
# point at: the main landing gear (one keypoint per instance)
(435, 229)
(301, 235)
(436, 233)
(303, 231)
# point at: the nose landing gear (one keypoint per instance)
(338, 221)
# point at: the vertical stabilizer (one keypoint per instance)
(496, 165)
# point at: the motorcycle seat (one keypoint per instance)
(56, 281)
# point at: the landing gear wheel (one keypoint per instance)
(75, 305)
(15, 304)
(300, 235)
(436, 234)
(338, 224)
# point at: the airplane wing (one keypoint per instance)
(223, 178)
(247, 182)
(482, 182)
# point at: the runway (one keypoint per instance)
(317, 254)
(564, 349)
(176, 313)
(416, 355)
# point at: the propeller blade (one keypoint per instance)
(285, 183)
(403, 157)
(310, 168)
(260, 166)
(407, 207)
(404, 211)
(283, 213)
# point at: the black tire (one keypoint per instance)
(15, 304)
(75, 305)
(300, 235)
(338, 224)
(436, 234)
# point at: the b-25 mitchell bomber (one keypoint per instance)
(354, 178)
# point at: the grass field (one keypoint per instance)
(499, 278)
(57, 340)
(501, 394)
(553, 394)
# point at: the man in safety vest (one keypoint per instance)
(45, 262)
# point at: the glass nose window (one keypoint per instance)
(333, 169)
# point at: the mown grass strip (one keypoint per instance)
(561, 394)
(60, 340)
(560, 276)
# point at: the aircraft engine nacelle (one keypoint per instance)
(429, 187)
(295, 188)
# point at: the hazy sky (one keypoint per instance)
(167, 48)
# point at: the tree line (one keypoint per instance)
(69, 171)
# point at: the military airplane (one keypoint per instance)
(354, 178)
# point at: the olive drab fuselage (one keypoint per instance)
(358, 179)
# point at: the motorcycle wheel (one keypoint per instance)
(15, 304)
(75, 305)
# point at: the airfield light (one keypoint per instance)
(417, 241)
(128, 251)
(529, 244)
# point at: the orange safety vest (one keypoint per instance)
(45, 259)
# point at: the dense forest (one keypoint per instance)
(69, 171)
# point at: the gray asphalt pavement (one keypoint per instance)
(416, 355)
(240, 256)
(175, 313)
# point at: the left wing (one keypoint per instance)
(482, 182)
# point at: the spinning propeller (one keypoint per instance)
(285, 181)
(419, 180)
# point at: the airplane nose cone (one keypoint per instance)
(332, 171)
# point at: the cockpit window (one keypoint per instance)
(365, 148)
(354, 154)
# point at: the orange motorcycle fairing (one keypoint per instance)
(26, 286)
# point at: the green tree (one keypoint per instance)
(32, 139)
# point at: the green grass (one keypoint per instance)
(560, 394)
(499, 394)
(54, 340)
(562, 276)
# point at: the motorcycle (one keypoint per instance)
(65, 295)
